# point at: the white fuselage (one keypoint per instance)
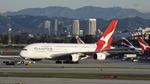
(50, 50)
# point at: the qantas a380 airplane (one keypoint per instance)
(67, 52)
(71, 52)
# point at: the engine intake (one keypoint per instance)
(99, 56)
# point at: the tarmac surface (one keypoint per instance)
(88, 66)
(62, 69)
(24, 80)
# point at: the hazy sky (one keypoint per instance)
(14, 5)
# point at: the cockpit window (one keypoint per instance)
(24, 49)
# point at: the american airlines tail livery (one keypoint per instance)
(68, 51)
(130, 45)
(144, 45)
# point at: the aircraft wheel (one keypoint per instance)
(66, 62)
(5, 62)
(22, 62)
(58, 62)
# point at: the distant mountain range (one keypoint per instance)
(35, 24)
(82, 13)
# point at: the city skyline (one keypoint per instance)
(15, 5)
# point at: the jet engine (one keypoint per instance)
(99, 56)
(75, 57)
(36, 59)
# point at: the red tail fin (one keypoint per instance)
(106, 39)
(144, 45)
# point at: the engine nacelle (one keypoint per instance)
(99, 56)
(75, 57)
(36, 59)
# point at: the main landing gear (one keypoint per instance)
(66, 62)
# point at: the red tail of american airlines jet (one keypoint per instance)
(106, 39)
(144, 45)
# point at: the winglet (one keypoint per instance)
(106, 39)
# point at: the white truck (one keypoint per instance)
(132, 57)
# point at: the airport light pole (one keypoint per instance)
(9, 36)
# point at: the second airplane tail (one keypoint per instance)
(129, 43)
(144, 45)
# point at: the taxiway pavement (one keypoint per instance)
(24, 80)
(106, 67)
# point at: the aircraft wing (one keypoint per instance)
(120, 50)
(76, 56)
(109, 51)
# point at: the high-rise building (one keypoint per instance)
(69, 30)
(76, 28)
(0, 41)
(56, 27)
(92, 27)
(47, 25)
(81, 32)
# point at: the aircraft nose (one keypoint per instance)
(23, 53)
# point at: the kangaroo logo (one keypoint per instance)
(106, 39)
